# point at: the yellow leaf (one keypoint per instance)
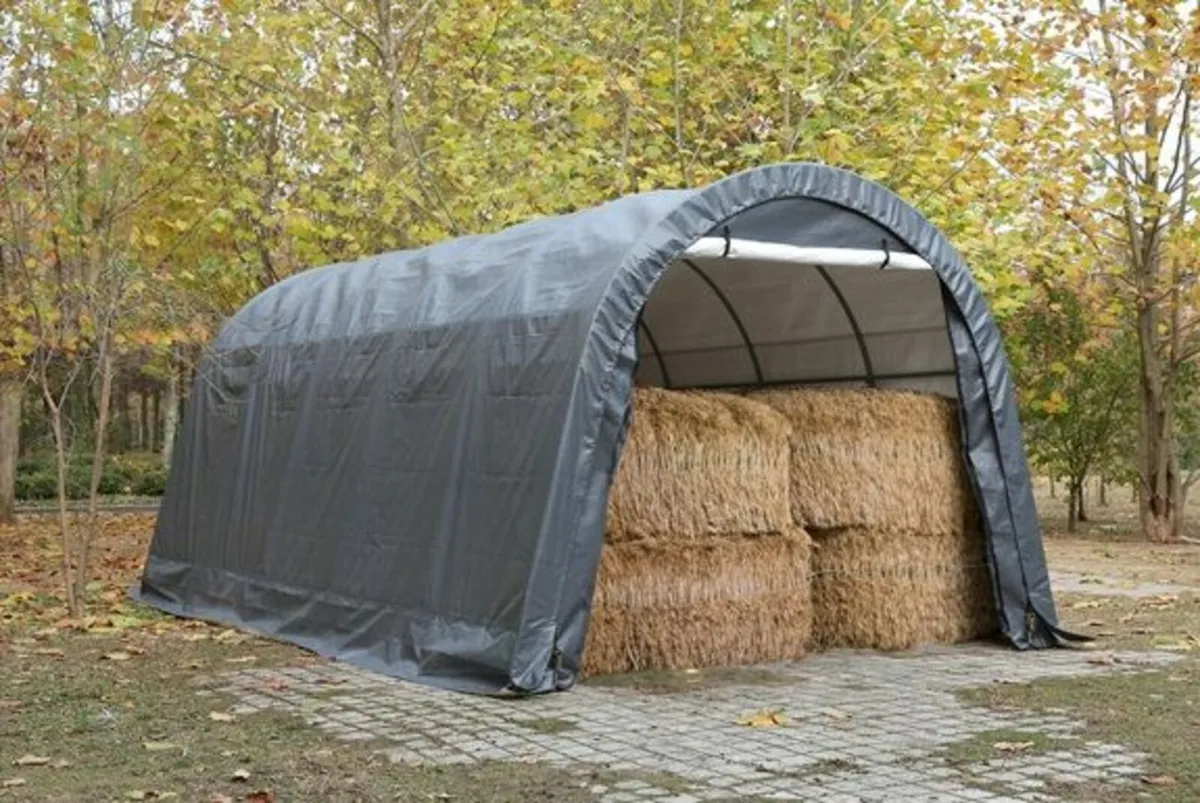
(842, 21)
(1158, 780)
(763, 719)
(1012, 747)
(30, 760)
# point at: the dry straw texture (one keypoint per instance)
(700, 464)
(890, 591)
(716, 602)
(869, 458)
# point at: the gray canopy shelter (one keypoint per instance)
(404, 462)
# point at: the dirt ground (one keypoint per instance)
(1110, 545)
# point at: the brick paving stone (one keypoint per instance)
(862, 726)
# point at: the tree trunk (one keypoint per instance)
(10, 444)
(170, 413)
(1103, 493)
(144, 422)
(93, 523)
(121, 414)
(1181, 511)
(1158, 462)
(74, 608)
(1081, 499)
(152, 427)
(1072, 507)
(1052, 493)
(135, 421)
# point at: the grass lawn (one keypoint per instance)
(80, 726)
(116, 707)
(1157, 712)
(107, 709)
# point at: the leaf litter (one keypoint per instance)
(763, 719)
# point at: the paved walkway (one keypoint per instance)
(857, 727)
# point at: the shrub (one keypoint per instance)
(140, 474)
(151, 483)
(36, 484)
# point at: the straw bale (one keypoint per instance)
(891, 591)
(700, 464)
(674, 604)
(871, 458)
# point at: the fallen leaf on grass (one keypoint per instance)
(159, 747)
(763, 719)
(260, 796)
(116, 655)
(1102, 660)
(245, 659)
(30, 760)
(220, 716)
(276, 684)
(240, 775)
(17, 599)
(834, 713)
(1185, 644)
(60, 764)
(10, 705)
(12, 783)
(330, 681)
(53, 652)
(1159, 780)
(1012, 747)
(125, 622)
(1087, 603)
(1096, 623)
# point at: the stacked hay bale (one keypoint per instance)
(898, 554)
(702, 564)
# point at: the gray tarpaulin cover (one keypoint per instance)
(403, 462)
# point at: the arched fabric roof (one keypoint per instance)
(404, 461)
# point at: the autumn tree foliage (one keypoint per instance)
(162, 162)
(1116, 161)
